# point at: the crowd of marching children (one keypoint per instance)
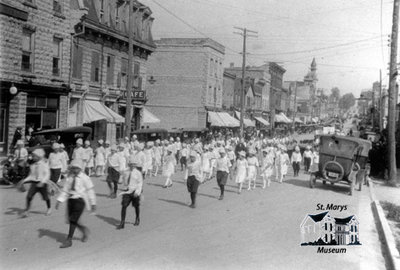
(129, 162)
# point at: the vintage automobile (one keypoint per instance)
(342, 159)
(68, 136)
(151, 134)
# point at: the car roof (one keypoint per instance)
(149, 130)
(78, 129)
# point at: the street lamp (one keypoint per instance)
(13, 90)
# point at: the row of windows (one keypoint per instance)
(57, 5)
(110, 68)
(215, 68)
(28, 56)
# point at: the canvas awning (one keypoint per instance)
(149, 118)
(297, 120)
(222, 119)
(282, 118)
(247, 122)
(229, 120)
(95, 111)
(262, 121)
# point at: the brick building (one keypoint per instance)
(188, 77)
(34, 66)
(258, 80)
(99, 68)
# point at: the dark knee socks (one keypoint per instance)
(123, 213)
(222, 187)
(193, 197)
(48, 203)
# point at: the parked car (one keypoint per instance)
(342, 159)
(68, 136)
(151, 134)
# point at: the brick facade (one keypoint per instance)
(36, 76)
(188, 77)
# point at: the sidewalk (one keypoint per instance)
(388, 197)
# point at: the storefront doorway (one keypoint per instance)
(42, 112)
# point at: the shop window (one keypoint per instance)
(27, 50)
(41, 102)
(31, 101)
(56, 56)
(52, 103)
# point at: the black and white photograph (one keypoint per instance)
(199, 134)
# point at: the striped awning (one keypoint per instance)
(262, 121)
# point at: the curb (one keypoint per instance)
(385, 231)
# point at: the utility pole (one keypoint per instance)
(392, 95)
(295, 105)
(128, 113)
(244, 32)
(373, 109)
(380, 101)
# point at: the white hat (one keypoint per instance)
(141, 146)
(222, 151)
(252, 152)
(158, 141)
(297, 148)
(62, 145)
(107, 142)
(169, 148)
(132, 161)
(39, 152)
(126, 138)
(76, 164)
(100, 141)
(178, 139)
(55, 146)
(20, 142)
(79, 141)
(121, 145)
(242, 153)
(87, 142)
(134, 136)
(171, 139)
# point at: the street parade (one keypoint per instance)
(199, 134)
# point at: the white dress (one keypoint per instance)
(206, 159)
(241, 170)
(100, 159)
(157, 155)
(148, 163)
(267, 166)
(252, 163)
(169, 165)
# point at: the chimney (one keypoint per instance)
(231, 65)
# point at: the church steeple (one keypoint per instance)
(313, 65)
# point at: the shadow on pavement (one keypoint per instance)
(110, 220)
(174, 202)
(102, 195)
(59, 237)
(226, 190)
(337, 187)
(156, 185)
(18, 211)
(206, 195)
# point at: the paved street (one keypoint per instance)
(257, 229)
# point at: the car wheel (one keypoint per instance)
(323, 182)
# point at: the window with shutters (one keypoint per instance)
(57, 56)
(110, 69)
(77, 62)
(95, 72)
(27, 50)
(136, 75)
(124, 73)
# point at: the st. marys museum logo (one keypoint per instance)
(324, 230)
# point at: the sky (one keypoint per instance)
(349, 39)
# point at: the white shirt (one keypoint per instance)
(21, 154)
(56, 160)
(139, 158)
(223, 164)
(135, 180)
(194, 169)
(296, 157)
(82, 187)
(116, 161)
(79, 153)
(39, 172)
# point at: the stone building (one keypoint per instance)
(99, 67)
(34, 66)
(188, 77)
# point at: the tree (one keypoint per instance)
(335, 94)
(347, 101)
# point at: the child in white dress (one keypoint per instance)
(241, 170)
(267, 166)
(252, 162)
